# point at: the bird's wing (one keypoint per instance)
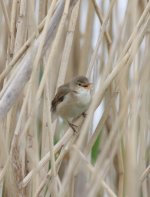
(59, 97)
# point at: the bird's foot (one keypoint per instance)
(74, 127)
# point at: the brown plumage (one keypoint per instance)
(59, 97)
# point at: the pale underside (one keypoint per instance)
(74, 104)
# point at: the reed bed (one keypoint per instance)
(44, 44)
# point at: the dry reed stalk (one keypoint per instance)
(20, 52)
(106, 154)
(52, 55)
(88, 165)
(62, 142)
(6, 15)
(87, 46)
(64, 151)
(51, 146)
(21, 27)
(12, 26)
(67, 46)
(42, 10)
(100, 16)
(100, 38)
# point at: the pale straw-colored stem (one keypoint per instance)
(145, 174)
(5, 15)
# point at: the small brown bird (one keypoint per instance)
(72, 100)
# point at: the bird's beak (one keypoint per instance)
(88, 86)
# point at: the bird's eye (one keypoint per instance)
(79, 84)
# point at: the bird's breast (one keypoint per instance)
(74, 105)
(83, 98)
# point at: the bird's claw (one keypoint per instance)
(74, 127)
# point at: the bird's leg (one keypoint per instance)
(73, 126)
